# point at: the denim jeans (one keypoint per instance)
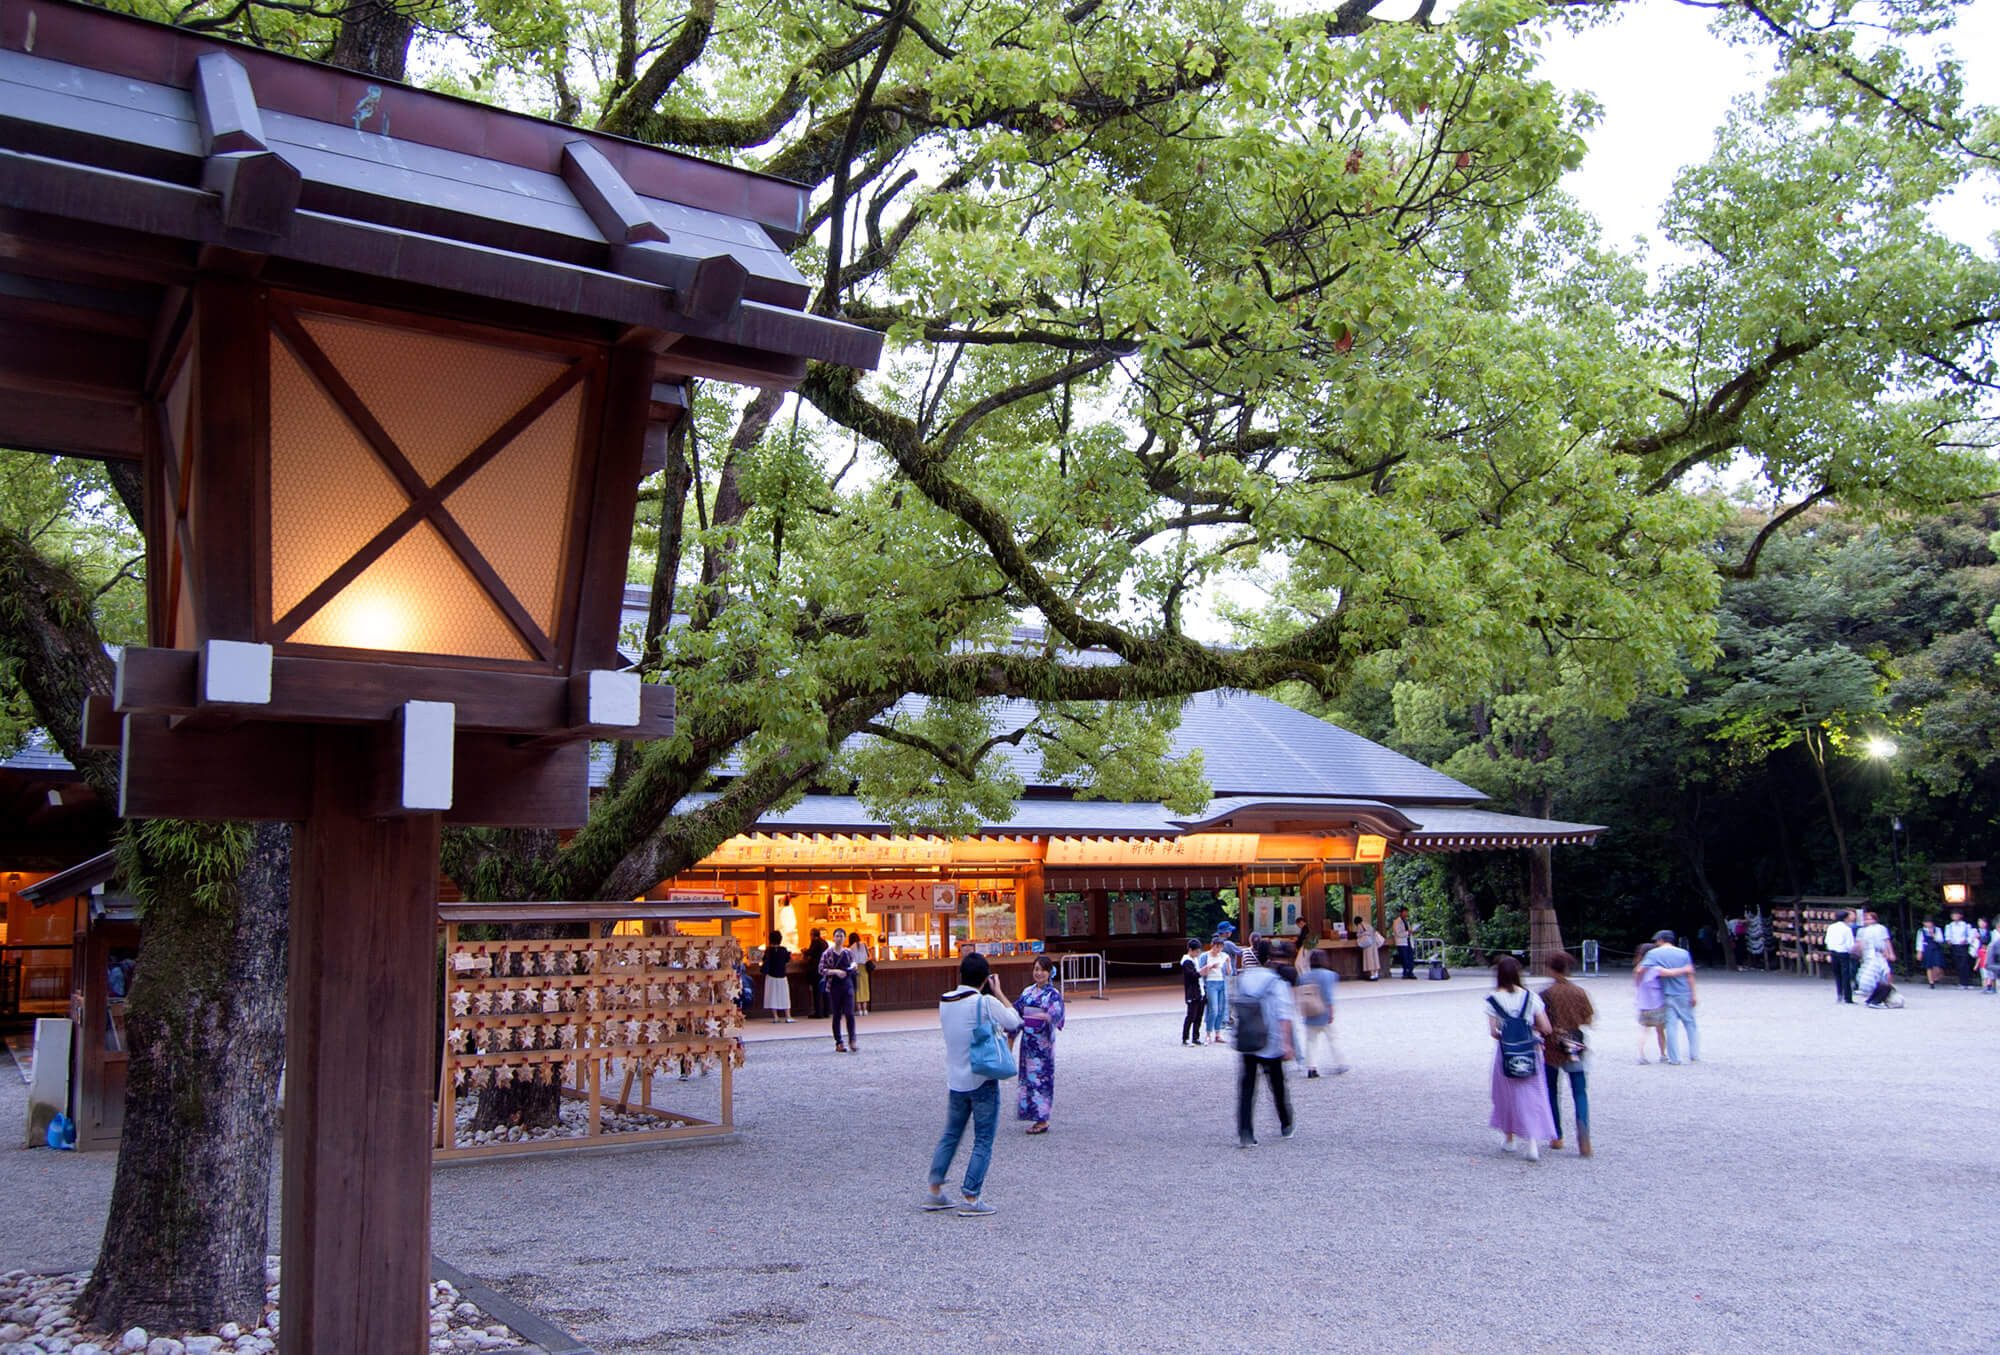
(983, 1109)
(1576, 1089)
(1218, 1004)
(1680, 1015)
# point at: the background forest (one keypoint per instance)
(1843, 741)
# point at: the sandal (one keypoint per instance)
(1039, 1127)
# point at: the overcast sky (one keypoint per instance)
(1666, 85)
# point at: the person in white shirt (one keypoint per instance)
(1958, 939)
(1840, 952)
(968, 1096)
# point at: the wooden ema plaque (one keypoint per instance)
(586, 1015)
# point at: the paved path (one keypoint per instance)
(1713, 1218)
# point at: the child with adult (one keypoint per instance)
(1040, 1007)
(1651, 999)
(1565, 1048)
(1520, 1103)
(1193, 993)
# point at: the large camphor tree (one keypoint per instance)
(1178, 292)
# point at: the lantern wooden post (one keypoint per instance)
(356, 1199)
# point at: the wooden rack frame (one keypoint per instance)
(580, 1012)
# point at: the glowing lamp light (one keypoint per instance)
(1954, 893)
(419, 488)
(1370, 847)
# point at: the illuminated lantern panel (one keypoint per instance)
(420, 516)
(1954, 893)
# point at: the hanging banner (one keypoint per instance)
(1196, 849)
(903, 896)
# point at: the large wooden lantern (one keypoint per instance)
(394, 365)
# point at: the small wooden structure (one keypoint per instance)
(1798, 927)
(105, 944)
(585, 1014)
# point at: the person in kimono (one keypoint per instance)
(1040, 1007)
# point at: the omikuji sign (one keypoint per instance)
(393, 395)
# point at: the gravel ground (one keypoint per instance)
(1819, 1164)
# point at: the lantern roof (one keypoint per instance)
(134, 154)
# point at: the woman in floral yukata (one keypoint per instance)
(1041, 1009)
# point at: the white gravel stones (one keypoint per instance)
(35, 1320)
(573, 1122)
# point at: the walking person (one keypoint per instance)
(1405, 941)
(1958, 939)
(815, 948)
(968, 1096)
(1040, 1007)
(1677, 985)
(836, 973)
(1840, 954)
(1520, 1103)
(1566, 1049)
(1194, 993)
(1216, 971)
(1315, 998)
(1651, 998)
(1265, 1015)
(1930, 951)
(777, 988)
(1992, 963)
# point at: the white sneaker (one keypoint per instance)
(1534, 1151)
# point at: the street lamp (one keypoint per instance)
(393, 395)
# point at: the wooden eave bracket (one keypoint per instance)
(612, 705)
(303, 690)
(259, 188)
(709, 288)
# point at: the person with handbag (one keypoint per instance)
(1514, 1016)
(1564, 1049)
(836, 972)
(974, 1018)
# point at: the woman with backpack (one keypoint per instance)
(1517, 1022)
(1315, 1001)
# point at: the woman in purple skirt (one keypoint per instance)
(1520, 1104)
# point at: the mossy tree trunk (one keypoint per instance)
(187, 1234)
(185, 1242)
